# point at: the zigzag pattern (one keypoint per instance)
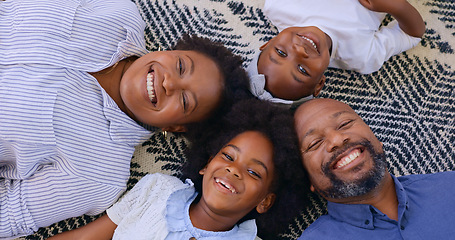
(409, 103)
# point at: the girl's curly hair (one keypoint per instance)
(290, 183)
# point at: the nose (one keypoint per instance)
(300, 50)
(335, 140)
(234, 171)
(169, 84)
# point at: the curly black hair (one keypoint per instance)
(236, 84)
(290, 184)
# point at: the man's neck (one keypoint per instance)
(384, 198)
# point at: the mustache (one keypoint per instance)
(365, 143)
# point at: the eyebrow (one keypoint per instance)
(296, 78)
(272, 59)
(253, 159)
(192, 64)
(195, 102)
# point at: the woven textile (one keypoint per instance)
(409, 103)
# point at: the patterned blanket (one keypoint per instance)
(409, 103)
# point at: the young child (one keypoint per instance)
(316, 34)
(253, 167)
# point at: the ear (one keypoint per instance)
(265, 45)
(178, 128)
(319, 86)
(266, 203)
(312, 188)
(202, 171)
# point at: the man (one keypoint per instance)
(346, 166)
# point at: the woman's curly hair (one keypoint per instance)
(236, 83)
(290, 183)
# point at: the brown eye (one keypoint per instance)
(228, 157)
(181, 70)
(184, 102)
(280, 52)
(302, 70)
(254, 173)
(345, 124)
(314, 145)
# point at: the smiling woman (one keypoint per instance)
(86, 95)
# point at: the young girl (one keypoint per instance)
(255, 168)
(77, 87)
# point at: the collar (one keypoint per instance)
(363, 215)
(178, 218)
(121, 127)
(257, 86)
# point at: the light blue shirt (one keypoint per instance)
(65, 146)
(158, 208)
(425, 211)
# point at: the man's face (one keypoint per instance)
(343, 157)
(294, 62)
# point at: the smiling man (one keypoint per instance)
(346, 165)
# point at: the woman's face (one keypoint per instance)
(171, 88)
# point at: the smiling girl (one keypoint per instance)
(255, 169)
(77, 88)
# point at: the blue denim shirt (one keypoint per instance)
(426, 210)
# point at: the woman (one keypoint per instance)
(75, 99)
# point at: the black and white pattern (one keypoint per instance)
(409, 103)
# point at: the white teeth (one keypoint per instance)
(311, 41)
(225, 185)
(348, 159)
(150, 87)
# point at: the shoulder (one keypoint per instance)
(159, 180)
(325, 227)
(432, 182)
(430, 178)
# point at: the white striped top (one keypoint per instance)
(65, 146)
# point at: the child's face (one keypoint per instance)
(171, 88)
(239, 177)
(294, 62)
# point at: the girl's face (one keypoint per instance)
(239, 177)
(171, 88)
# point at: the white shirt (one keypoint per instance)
(357, 41)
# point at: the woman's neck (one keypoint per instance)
(202, 218)
(110, 79)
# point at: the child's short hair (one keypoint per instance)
(230, 65)
(290, 184)
(257, 86)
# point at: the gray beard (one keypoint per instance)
(340, 189)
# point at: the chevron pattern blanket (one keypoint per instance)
(409, 103)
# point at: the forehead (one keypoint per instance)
(255, 144)
(318, 113)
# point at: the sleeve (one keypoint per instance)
(48, 196)
(140, 196)
(388, 41)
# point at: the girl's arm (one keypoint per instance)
(407, 16)
(101, 228)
